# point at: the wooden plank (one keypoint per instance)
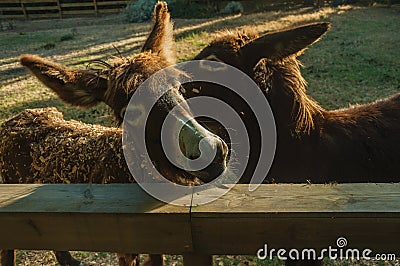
(109, 3)
(246, 235)
(64, 5)
(299, 216)
(78, 12)
(110, 10)
(38, 1)
(10, 2)
(44, 15)
(38, 8)
(20, 16)
(13, 8)
(117, 218)
(347, 199)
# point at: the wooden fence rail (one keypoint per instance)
(31, 9)
(124, 218)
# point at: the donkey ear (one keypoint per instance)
(161, 39)
(278, 45)
(77, 87)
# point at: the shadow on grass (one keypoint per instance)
(90, 48)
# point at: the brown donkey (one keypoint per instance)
(39, 146)
(354, 144)
(115, 85)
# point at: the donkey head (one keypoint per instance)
(116, 84)
(271, 61)
(244, 50)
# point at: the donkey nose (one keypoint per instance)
(207, 153)
(219, 163)
(214, 152)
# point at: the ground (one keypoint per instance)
(356, 62)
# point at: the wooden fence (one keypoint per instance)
(32, 9)
(46, 9)
(124, 218)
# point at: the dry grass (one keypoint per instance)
(356, 62)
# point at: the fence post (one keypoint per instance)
(59, 8)
(95, 8)
(196, 259)
(24, 10)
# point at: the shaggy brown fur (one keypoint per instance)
(39, 146)
(355, 144)
(114, 85)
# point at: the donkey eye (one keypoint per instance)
(135, 115)
(213, 66)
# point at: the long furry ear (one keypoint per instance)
(278, 45)
(77, 87)
(161, 39)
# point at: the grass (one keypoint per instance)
(356, 62)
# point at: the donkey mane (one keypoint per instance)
(305, 108)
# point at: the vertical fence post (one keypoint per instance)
(195, 259)
(95, 7)
(59, 8)
(24, 9)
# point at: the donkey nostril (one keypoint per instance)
(224, 148)
(193, 157)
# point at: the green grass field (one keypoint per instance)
(356, 62)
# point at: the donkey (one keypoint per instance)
(39, 146)
(114, 86)
(354, 144)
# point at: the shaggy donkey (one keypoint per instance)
(114, 85)
(354, 144)
(39, 146)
